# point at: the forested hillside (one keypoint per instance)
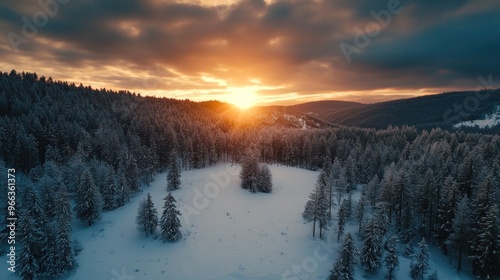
(73, 141)
(425, 112)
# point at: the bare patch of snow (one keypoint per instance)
(489, 121)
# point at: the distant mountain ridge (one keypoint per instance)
(425, 112)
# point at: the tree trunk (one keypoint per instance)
(314, 226)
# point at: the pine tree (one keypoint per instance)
(109, 192)
(174, 174)
(446, 212)
(33, 233)
(48, 190)
(391, 260)
(132, 173)
(64, 260)
(481, 205)
(348, 202)
(147, 216)
(87, 199)
(342, 218)
(341, 185)
(328, 177)
(316, 209)
(420, 263)
(122, 191)
(372, 190)
(308, 213)
(488, 244)
(335, 177)
(425, 198)
(169, 223)
(360, 212)
(28, 263)
(400, 198)
(264, 181)
(249, 170)
(382, 217)
(371, 254)
(460, 233)
(465, 176)
(253, 184)
(343, 269)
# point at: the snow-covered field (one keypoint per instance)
(489, 120)
(229, 233)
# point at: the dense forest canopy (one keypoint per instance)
(63, 138)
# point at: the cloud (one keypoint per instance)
(291, 45)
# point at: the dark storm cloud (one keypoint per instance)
(459, 48)
(288, 43)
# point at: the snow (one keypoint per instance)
(489, 121)
(228, 233)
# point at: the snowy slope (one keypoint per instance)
(233, 235)
(489, 120)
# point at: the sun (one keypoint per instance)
(243, 98)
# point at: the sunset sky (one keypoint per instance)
(276, 52)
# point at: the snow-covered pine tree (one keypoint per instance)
(348, 202)
(481, 205)
(316, 209)
(321, 209)
(360, 211)
(109, 191)
(446, 211)
(169, 223)
(371, 254)
(319, 206)
(343, 268)
(337, 186)
(400, 198)
(488, 244)
(249, 170)
(174, 173)
(122, 190)
(465, 176)
(132, 173)
(28, 264)
(425, 197)
(341, 185)
(460, 233)
(63, 259)
(47, 195)
(308, 213)
(329, 182)
(342, 218)
(386, 189)
(147, 216)
(420, 263)
(33, 232)
(391, 260)
(382, 216)
(264, 181)
(87, 199)
(253, 186)
(372, 190)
